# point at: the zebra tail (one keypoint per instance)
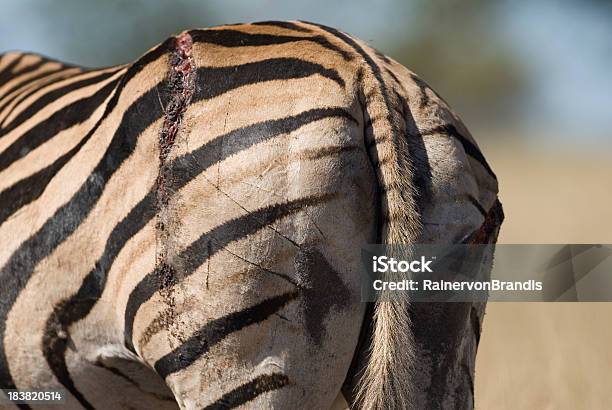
(385, 382)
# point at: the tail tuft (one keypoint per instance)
(386, 379)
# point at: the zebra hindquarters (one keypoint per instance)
(260, 290)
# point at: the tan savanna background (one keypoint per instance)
(531, 79)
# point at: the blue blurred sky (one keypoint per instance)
(569, 50)
(565, 46)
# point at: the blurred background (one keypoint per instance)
(532, 81)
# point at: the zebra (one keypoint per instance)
(185, 230)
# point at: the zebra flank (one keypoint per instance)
(185, 230)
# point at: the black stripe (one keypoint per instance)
(22, 88)
(208, 244)
(188, 166)
(29, 189)
(384, 58)
(30, 68)
(71, 115)
(492, 221)
(235, 38)
(249, 391)
(25, 70)
(7, 72)
(476, 326)
(423, 88)
(283, 24)
(222, 79)
(476, 204)
(49, 97)
(61, 372)
(369, 61)
(469, 148)
(17, 271)
(216, 330)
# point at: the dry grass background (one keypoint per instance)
(549, 355)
